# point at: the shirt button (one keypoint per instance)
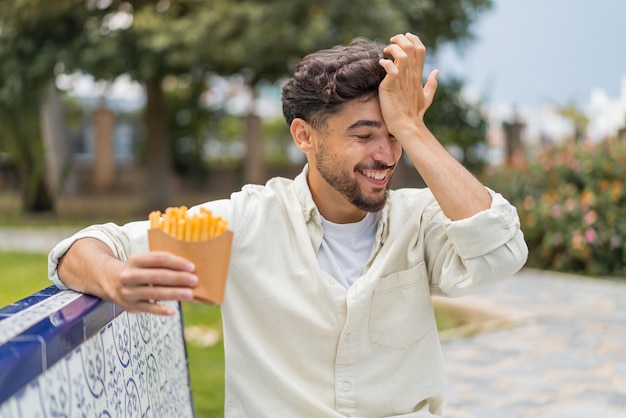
(346, 386)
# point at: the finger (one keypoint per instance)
(162, 259)
(389, 66)
(133, 277)
(409, 43)
(158, 293)
(415, 40)
(395, 51)
(430, 87)
(418, 51)
(400, 40)
(151, 308)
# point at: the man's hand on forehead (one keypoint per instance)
(403, 98)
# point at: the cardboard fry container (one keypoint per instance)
(211, 258)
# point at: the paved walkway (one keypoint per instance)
(35, 240)
(561, 354)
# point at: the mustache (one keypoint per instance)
(375, 165)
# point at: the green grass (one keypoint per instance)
(23, 274)
(206, 363)
(448, 318)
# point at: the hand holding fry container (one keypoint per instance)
(201, 238)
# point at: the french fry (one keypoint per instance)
(222, 226)
(195, 229)
(211, 226)
(178, 223)
(204, 226)
(188, 226)
(155, 219)
(174, 226)
(180, 232)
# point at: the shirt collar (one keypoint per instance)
(301, 186)
(310, 211)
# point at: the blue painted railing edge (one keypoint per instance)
(40, 346)
(28, 301)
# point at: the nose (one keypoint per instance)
(387, 150)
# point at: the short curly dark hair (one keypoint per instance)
(325, 80)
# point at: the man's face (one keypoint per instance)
(356, 155)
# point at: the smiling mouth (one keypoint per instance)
(377, 175)
(377, 178)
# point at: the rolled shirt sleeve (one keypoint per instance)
(489, 246)
(122, 240)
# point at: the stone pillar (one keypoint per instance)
(60, 175)
(254, 165)
(514, 149)
(104, 155)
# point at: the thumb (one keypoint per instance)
(430, 88)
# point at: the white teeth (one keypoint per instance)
(376, 175)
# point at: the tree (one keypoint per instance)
(28, 56)
(17, 123)
(153, 40)
(149, 40)
(266, 36)
(265, 41)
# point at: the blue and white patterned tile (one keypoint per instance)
(134, 366)
(32, 310)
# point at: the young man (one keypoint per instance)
(327, 311)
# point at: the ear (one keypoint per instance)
(301, 133)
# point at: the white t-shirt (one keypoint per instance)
(346, 248)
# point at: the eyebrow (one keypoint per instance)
(365, 122)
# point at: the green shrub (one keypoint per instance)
(572, 204)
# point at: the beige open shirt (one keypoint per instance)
(299, 344)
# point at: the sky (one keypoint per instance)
(533, 52)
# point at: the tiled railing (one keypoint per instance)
(65, 354)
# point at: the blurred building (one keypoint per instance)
(104, 129)
(546, 124)
(607, 115)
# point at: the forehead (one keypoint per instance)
(355, 114)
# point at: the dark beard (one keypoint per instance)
(348, 186)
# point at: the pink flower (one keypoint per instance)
(590, 235)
